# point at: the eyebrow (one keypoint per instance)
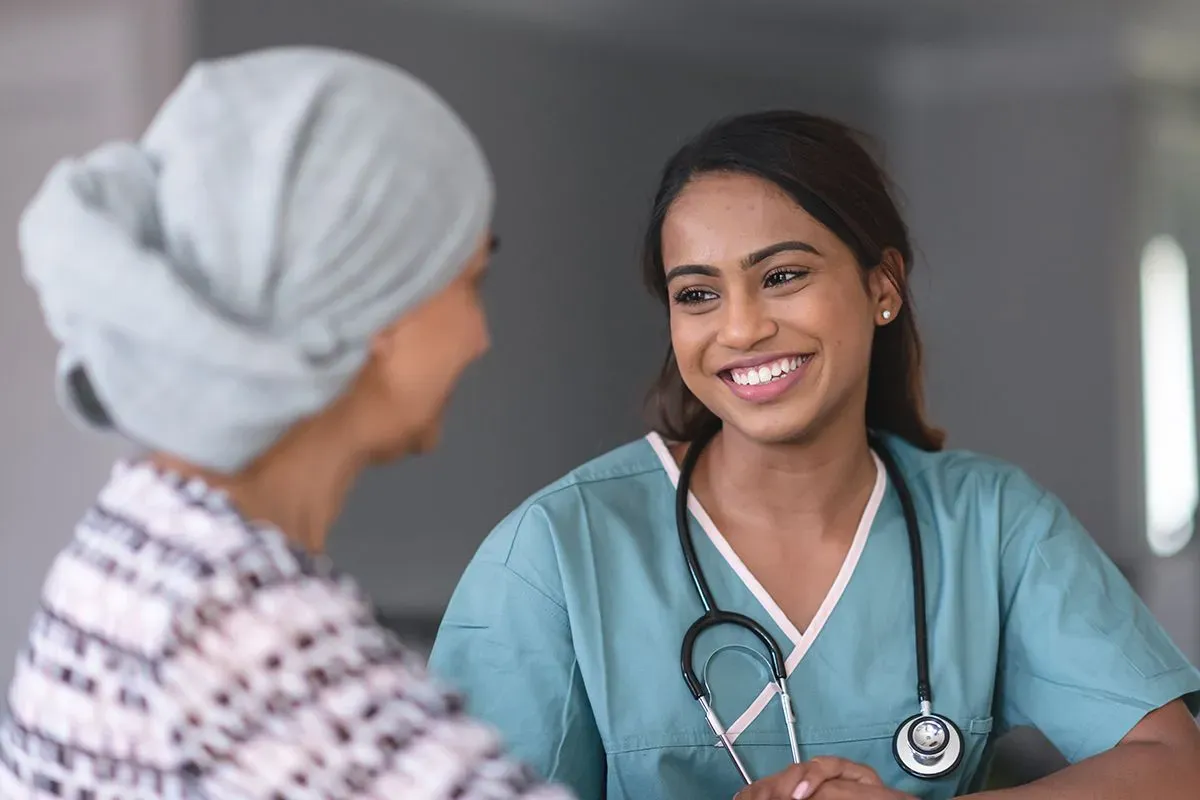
(753, 259)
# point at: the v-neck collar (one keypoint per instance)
(801, 642)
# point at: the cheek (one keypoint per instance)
(456, 336)
(416, 368)
(464, 339)
(839, 317)
(688, 334)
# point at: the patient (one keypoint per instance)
(276, 288)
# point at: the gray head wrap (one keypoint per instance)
(219, 281)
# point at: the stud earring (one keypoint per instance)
(887, 314)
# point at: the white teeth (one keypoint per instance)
(765, 373)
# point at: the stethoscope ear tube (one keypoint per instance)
(683, 519)
(911, 524)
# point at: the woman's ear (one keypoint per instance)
(885, 282)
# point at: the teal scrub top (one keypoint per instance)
(566, 628)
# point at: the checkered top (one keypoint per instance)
(181, 652)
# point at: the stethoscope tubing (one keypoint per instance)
(714, 616)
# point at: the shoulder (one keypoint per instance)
(963, 474)
(618, 468)
(564, 516)
(987, 498)
(960, 470)
(154, 554)
(618, 481)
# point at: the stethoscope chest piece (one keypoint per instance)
(928, 746)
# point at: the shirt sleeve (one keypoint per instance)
(1082, 658)
(506, 642)
(282, 684)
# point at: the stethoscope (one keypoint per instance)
(926, 745)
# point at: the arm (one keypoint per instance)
(506, 643)
(292, 690)
(1084, 661)
(1159, 758)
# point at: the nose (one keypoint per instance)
(745, 323)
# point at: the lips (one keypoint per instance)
(765, 381)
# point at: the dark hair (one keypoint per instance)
(823, 167)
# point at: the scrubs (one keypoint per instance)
(566, 628)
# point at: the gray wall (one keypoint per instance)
(124, 56)
(577, 133)
(1016, 186)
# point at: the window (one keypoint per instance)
(1168, 397)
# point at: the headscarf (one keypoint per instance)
(220, 280)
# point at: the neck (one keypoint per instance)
(817, 486)
(299, 486)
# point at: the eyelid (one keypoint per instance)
(677, 296)
(795, 273)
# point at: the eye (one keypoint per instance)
(693, 296)
(781, 276)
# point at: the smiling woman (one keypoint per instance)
(825, 534)
(758, 192)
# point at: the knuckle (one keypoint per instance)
(828, 764)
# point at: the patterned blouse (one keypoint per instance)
(182, 652)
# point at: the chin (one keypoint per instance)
(391, 452)
(771, 431)
(382, 456)
(790, 423)
(427, 440)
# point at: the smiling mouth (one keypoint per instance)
(767, 373)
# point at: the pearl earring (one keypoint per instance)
(887, 314)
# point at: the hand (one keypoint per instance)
(804, 781)
(851, 790)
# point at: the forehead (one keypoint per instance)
(722, 217)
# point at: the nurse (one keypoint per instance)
(783, 265)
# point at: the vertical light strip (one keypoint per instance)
(1168, 397)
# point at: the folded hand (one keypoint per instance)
(822, 778)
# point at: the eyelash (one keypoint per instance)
(694, 295)
(691, 296)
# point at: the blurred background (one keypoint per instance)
(1047, 154)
